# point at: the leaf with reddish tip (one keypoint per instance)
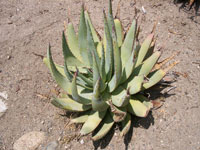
(75, 94)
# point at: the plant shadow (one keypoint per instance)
(103, 143)
(187, 7)
(136, 122)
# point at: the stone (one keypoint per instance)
(3, 107)
(4, 95)
(52, 146)
(29, 141)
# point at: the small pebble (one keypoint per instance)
(8, 57)
(82, 141)
(144, 11)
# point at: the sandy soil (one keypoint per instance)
(26, 28)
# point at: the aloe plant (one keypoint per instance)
(105, 78)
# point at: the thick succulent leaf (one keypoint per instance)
(117, 69)
(85, 93)
(87, 80)
(89, 72)
(83, 84)
(111, 23)
(135, 85)
(150, 51)
(107, 125)
(74, 68)
(148, 64)
(70, 105)
(119, 32)
(96, 73)
(99, 48)
(126, 124)
(68, 56)
(127, 46)
(104, 39)
(109, 50)
(154, 79)
(75, 94)
(94, 33)
(98, 102)
(157, 75)
(129, 67)
(144, 100)
(91, 48)
(120, 97)
(74, 90)
(94, 118)
(62, 81)
(80, 119)
(144, 49)
(82, 38)
(72, 41)
(102, 66)
(68, 74)
(97, 76)
(136, 107)
(58, 67)
(61, 68)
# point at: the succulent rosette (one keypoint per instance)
(106, 78)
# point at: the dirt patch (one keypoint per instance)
(27, 26)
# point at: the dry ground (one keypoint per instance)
(26, 28)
